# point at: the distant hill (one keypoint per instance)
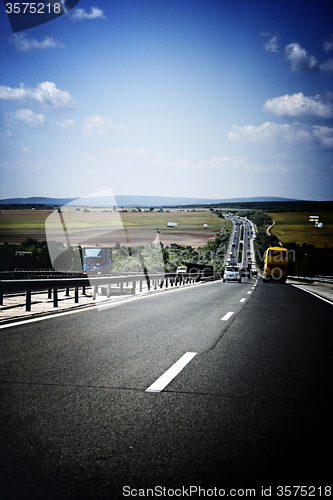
(36, 201)
(164, 201)
(137, 201)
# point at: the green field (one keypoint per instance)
(17, 225)
(295, 226)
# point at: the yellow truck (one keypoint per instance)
(276, 264)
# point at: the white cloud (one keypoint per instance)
(80, 14)
(300, 59)
(100, 126)
(324, 135)
(6, 133)
(45, 93)
(224, 162)
(328, 45)
(25, 150)
(126, 151)
(141, 152)
(299, 105)
(29, 117)
(272, 45)
(327, 65)
(67, 124)
(296, 134)
(23, 42)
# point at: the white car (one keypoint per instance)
(232, 273)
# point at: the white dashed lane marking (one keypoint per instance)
(171, 373)
(227, 316)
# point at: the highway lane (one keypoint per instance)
(252, 408)
(125, 345)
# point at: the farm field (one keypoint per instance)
(106, 227)
(295, 226)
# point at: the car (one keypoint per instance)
(232, 273)
(245, 272)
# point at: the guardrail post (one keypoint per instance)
(28, 300)
(108, 290)
(133, 287)
(95, 289)
(55, 297)
(1, 298)
(121, 287)
(49, 293)
(76, 295)
(67, 292)
(166, 282)
(140, 285)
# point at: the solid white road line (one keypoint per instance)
(171, 373)
(242, 300)
(227, 316)
(312, 293)
(249, 292)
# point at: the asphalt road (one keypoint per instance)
(251, 409)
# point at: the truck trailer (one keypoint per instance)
(276, 264)
(199, 271)
(96, 260)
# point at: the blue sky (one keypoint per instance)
(213, 99)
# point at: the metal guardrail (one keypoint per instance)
(53, 285)
(38, 273)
